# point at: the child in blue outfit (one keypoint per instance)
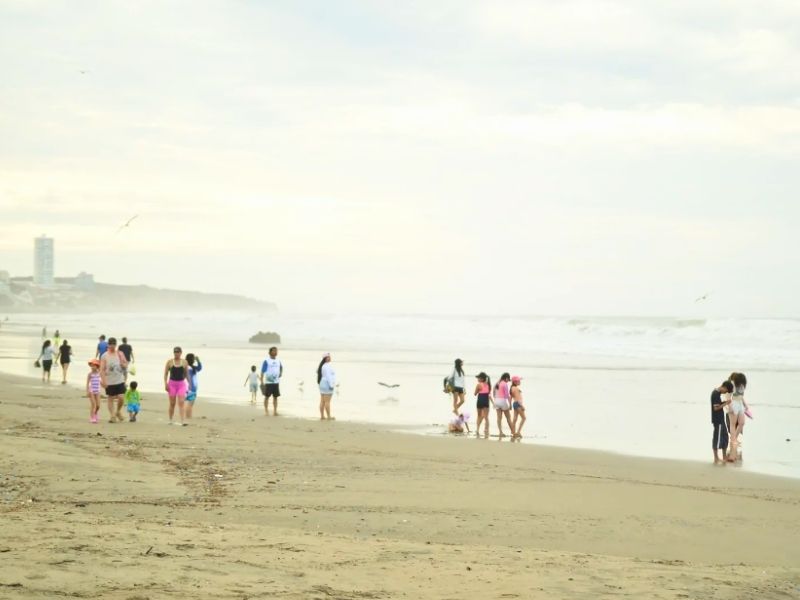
(133, 401)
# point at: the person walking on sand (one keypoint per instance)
(56, 339)
(127, 350)
(64, 358)
(195, 366)
(502, 403)
(102, 346)
(93, 386)
(518, 406)
(719, 439)
(326, 378)
(482, 391)
(176, 374)
(112, 378)
(252, 379)
(271, 372)
(46, 355)
(455, 383)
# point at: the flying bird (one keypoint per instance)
(389, 385)
(127, 223)
(703, 297)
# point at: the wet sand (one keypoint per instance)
(239, 505)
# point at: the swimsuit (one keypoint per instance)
(177, 380)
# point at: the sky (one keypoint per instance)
(533, 157)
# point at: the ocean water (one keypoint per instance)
(628, 385)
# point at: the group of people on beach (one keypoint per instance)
(113, 364)
(269, 377)
(505, 396)
(728, 412)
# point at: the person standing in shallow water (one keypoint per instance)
(176, 374)
(326, 378)
(502, 403)
(455, 384)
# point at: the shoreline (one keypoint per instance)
(238, 505)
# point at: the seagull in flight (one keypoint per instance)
(703, 297)
(389, 385)
(127, 223)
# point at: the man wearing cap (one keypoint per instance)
(112, 378)
(270, 378)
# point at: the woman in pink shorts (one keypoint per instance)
(176, 375)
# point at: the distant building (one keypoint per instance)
(43, 261)
(84, 282)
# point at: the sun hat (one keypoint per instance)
(326, 355)
(516, 379)
(481, 375)
(94, 363)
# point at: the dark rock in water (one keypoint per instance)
(265, 337)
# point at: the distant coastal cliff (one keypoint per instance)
(22, 295)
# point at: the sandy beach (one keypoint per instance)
(239, 505)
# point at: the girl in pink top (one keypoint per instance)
(502, 403)
(482, 390)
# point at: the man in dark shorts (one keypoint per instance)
(271, 371)
(720, 439)
(112, 378)
(127, 350)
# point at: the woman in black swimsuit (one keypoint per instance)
(64, 358)
(176, 375)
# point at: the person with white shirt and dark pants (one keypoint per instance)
(271, 372)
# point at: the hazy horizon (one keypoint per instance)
(461, 157)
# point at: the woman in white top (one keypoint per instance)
(736, 410)
(47, 354)
(326, 378)
(455, 385)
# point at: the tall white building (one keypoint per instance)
(43, 261)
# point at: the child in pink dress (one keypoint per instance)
(93, 389)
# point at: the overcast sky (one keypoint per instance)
(531, 157)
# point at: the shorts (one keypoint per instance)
(720, 439)
(65, 361)
(253, 388)
(457, 390)
(176, 388)
(191, 396)
(502, 404)
(325, 389)
(737, 407)
(133, 408)
(271, 389)
(483, 401)
(118, 389)
(517, 406)
(46, 365)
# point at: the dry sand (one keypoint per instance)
(239, 505)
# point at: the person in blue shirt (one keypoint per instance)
(195, 366)
(102, 346)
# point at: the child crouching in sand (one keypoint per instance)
(133, 400)
(458, 424)
(93, 389)
(518, 406)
